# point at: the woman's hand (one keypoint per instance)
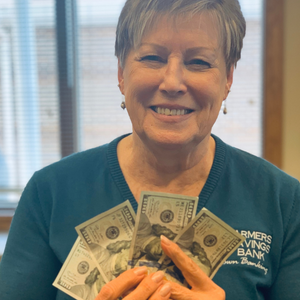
(202, 287)
(137, 285)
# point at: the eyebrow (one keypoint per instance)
(162, 48)
(196, 50)
(190, 51)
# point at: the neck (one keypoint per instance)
(165, 168)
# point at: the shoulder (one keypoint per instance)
(62, 185)
(69, 192)
(259, 183)
(69, 184)
(86, 164)
(246, 165)
(76, 162)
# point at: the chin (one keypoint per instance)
(172, 141)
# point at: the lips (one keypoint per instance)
(171, 111)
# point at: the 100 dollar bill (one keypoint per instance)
(208, 241)
(79, 276)
(158, 214)
(108, 237)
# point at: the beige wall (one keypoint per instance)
(291, 97)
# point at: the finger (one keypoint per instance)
(162, 293)
(127, 292)
(182, 293)
(147, 287)
(195, 277)
(123, 283)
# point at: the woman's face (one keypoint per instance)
(175, 82)
(122, 260)
(153, 250)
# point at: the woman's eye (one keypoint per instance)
(199, 63)
(152, 58)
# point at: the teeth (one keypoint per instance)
(170, 112)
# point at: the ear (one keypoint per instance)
(229, 82)
(120, 78)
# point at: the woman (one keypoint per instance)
(176, 60)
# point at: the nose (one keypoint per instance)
(173, 82)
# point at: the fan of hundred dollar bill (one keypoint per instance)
(116, 240)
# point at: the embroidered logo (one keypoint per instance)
(254, 250)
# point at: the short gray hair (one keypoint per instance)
(138, 16)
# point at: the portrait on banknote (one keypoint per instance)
(91, 287)
(112, 258)
(194, 251)
(147, 245)
(158, 214)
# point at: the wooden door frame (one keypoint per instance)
(273, 81)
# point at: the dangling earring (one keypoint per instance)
(123, 105)
(225, 108)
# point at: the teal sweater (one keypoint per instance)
(248, 193)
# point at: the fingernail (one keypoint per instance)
(140, 270)
(165, 240)
(165, 290)
(158, 276)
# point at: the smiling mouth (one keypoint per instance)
(171, 111)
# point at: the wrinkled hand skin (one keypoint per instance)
(136, 284)
(202, 287)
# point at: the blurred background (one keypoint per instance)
(59, 95)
